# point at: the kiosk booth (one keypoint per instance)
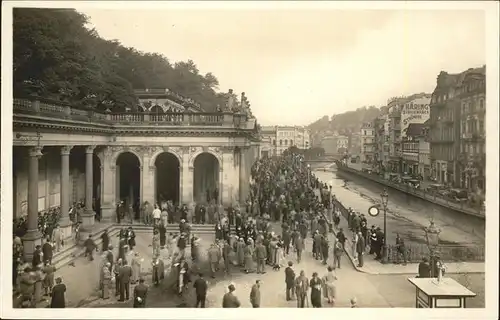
(446, 293)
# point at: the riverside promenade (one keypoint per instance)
(355, 169)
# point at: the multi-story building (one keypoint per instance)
(410, 149)
(424, 152)
(394, 127)
(355, 144)
(446, 122)
(379, 138)
(342, 144)
(404, 111)
(284, 137)
(472, 158)
(368, 142)
(268, 142)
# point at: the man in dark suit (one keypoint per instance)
(424, 269)
(47, 251)
(255, 295)
(90, 246)
(125, 275)
(360, 249)
(230, 300)
(105, 241)
(200, 285)
(140, 294)
(290, 281)
(37, 256)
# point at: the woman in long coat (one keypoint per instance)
(354, 245)
(280, 256)
(273, 246)
(233, 241)
(315, 285)
(58, 295)
(249, 257)
(329, 281)
(136, 268)
(156, 243)
(240, 252)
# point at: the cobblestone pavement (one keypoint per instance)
(408, 216)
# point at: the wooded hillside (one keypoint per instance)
(349, 121)
(57, 57)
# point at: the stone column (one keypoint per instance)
(65, 222)
(227, 189)
(117, 184)
(141, 186)
(241, 177)
(187, 177)
(89, 215)
(152, 179)
(33, 236)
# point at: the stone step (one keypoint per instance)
(72, 252)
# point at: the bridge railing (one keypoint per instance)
(59, 110)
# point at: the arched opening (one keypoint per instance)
(206, 178)
(128, 175)
(96, 186)
(167, 178)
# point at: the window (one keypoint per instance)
(481, 126)
(286, 142)
(274, 142)
(464, 126)
(281, 142)
(481, 104)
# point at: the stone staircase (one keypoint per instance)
(72, 251)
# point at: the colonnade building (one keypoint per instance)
(64, 154)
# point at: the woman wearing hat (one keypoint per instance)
(249, 256)
(315, 285)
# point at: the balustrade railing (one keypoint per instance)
(60, 110)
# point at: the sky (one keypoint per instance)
(296, 66)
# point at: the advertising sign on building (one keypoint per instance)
(415, 111)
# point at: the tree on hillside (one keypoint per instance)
(57, 57)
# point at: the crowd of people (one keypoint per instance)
(287, 204)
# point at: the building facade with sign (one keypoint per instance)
(64, 154)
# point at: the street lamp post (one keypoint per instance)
(385, 199)
(432, 239)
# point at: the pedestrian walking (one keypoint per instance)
(58, 297)
(140, 294)
(230, 300)
(200, 285)
(255, 295)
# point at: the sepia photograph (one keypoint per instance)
(242, 154)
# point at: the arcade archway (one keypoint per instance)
(206, 178)
(167, 178)
(128, 180)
